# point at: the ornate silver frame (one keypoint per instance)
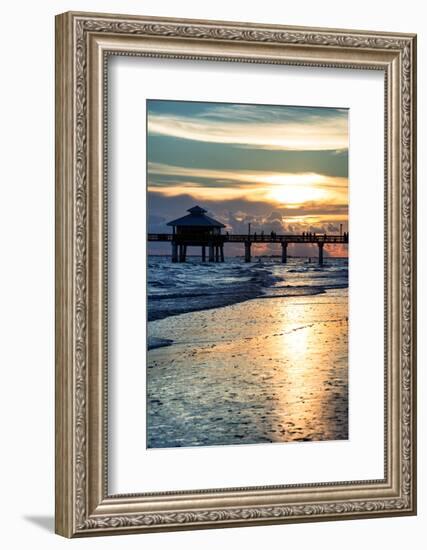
(83, 505)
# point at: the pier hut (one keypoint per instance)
(197, 229)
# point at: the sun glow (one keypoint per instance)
(290, 189)
(294, 194)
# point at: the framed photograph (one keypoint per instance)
(235, 274)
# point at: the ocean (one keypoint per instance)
(179, 288)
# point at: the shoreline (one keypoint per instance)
(162, 306)
(248, 282)
(154, 342)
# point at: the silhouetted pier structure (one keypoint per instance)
(197, 229)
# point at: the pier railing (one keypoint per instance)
(252, 238)
(300, 238)
(160, 236)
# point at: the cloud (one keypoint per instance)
(254, 177)
(237, 213)
(255, 185)
(253, 126)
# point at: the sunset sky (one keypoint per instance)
(280, 168)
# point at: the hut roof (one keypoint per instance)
(196, 218)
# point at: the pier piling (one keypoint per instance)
(215, 246)
(320, 245)
(182, 252)
(284, 252)
(247, 251)
(174, 252)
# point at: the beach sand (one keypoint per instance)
(264, 370)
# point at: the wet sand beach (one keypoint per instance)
(270, 369)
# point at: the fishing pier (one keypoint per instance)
(197, 229)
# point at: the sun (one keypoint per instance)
(294, 189)
(295, 194)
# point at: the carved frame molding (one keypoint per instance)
(83, 42)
